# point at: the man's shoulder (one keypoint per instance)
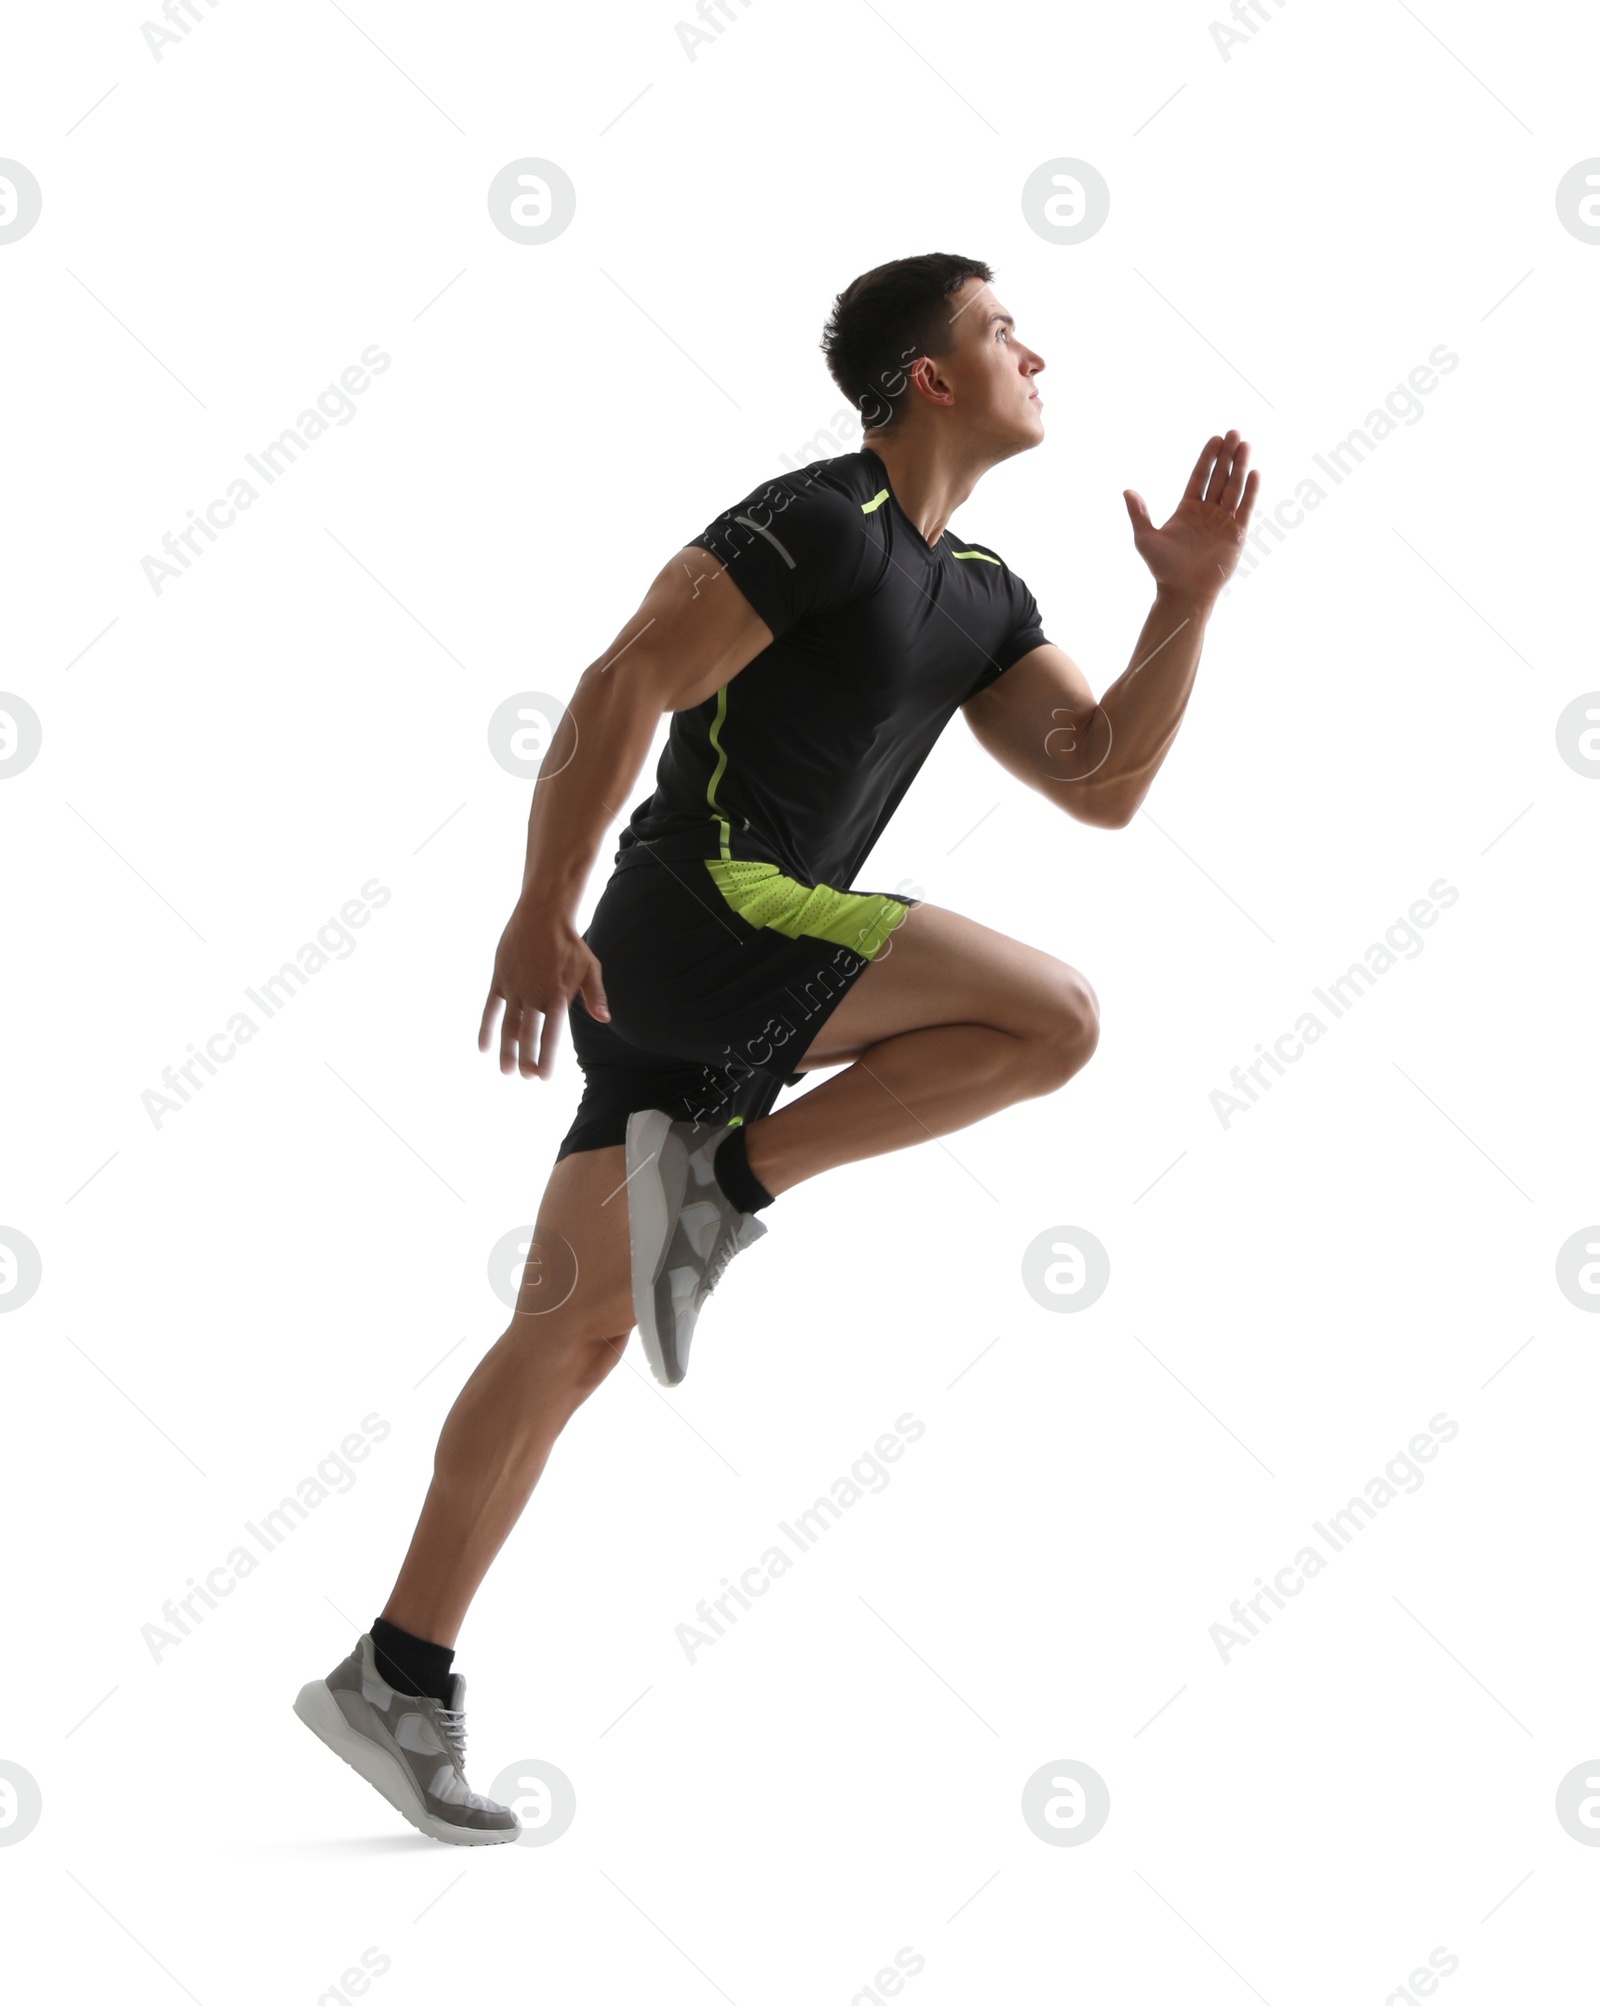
(811, 540)
(850, 483)
(829, 511)
(981, 561)
(977, 553)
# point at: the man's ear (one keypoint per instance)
(924, 373)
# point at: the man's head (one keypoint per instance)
(924, 341)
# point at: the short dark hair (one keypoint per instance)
(884, 320)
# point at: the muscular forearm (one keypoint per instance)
(1137, 718)
(585, 779)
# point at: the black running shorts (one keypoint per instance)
(717, 987)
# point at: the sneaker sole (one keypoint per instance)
(649, 1229)
(318, 1708)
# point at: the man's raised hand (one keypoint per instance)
(1194, 551)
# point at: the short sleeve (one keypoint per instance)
(797, 546)
(1024, 633)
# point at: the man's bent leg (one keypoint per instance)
(574, 1312)
(950, 1023)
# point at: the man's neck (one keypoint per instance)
(930, 474)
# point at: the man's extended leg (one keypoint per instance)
(573, 1315)
(950, 1023)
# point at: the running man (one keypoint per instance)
(809, 648)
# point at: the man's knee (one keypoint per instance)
(596, 1350)
(575, 1302)
(1068, 1030)
(584, 1341)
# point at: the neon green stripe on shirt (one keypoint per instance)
(722, 760)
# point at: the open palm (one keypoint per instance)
(1195, 550)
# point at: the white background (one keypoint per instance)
(1292, 1296)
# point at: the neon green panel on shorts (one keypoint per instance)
(762, 896)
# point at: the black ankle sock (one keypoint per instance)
(411, 1664)
(737, 1182)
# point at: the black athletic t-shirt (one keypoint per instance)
(878, 638)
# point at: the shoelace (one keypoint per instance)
(454, 1724)
(719, 1262)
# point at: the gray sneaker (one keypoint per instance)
(409, 1748)
(683, 1232)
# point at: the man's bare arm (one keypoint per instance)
(1097, 760)
(693, 632)
(1094, 759)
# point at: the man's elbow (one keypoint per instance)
(1107, 808)
(625, 680)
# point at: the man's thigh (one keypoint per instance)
(939, 967)
(578, 1272)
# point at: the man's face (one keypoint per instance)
(990, 373)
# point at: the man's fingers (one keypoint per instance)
(1138, 514)
(1235, 487)
(528, 1038)
(553, 1020)
(1252, 488)
(1197, 480)
(593, 992)
(485, 1029)
(1219, 472)
(510, 1032)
